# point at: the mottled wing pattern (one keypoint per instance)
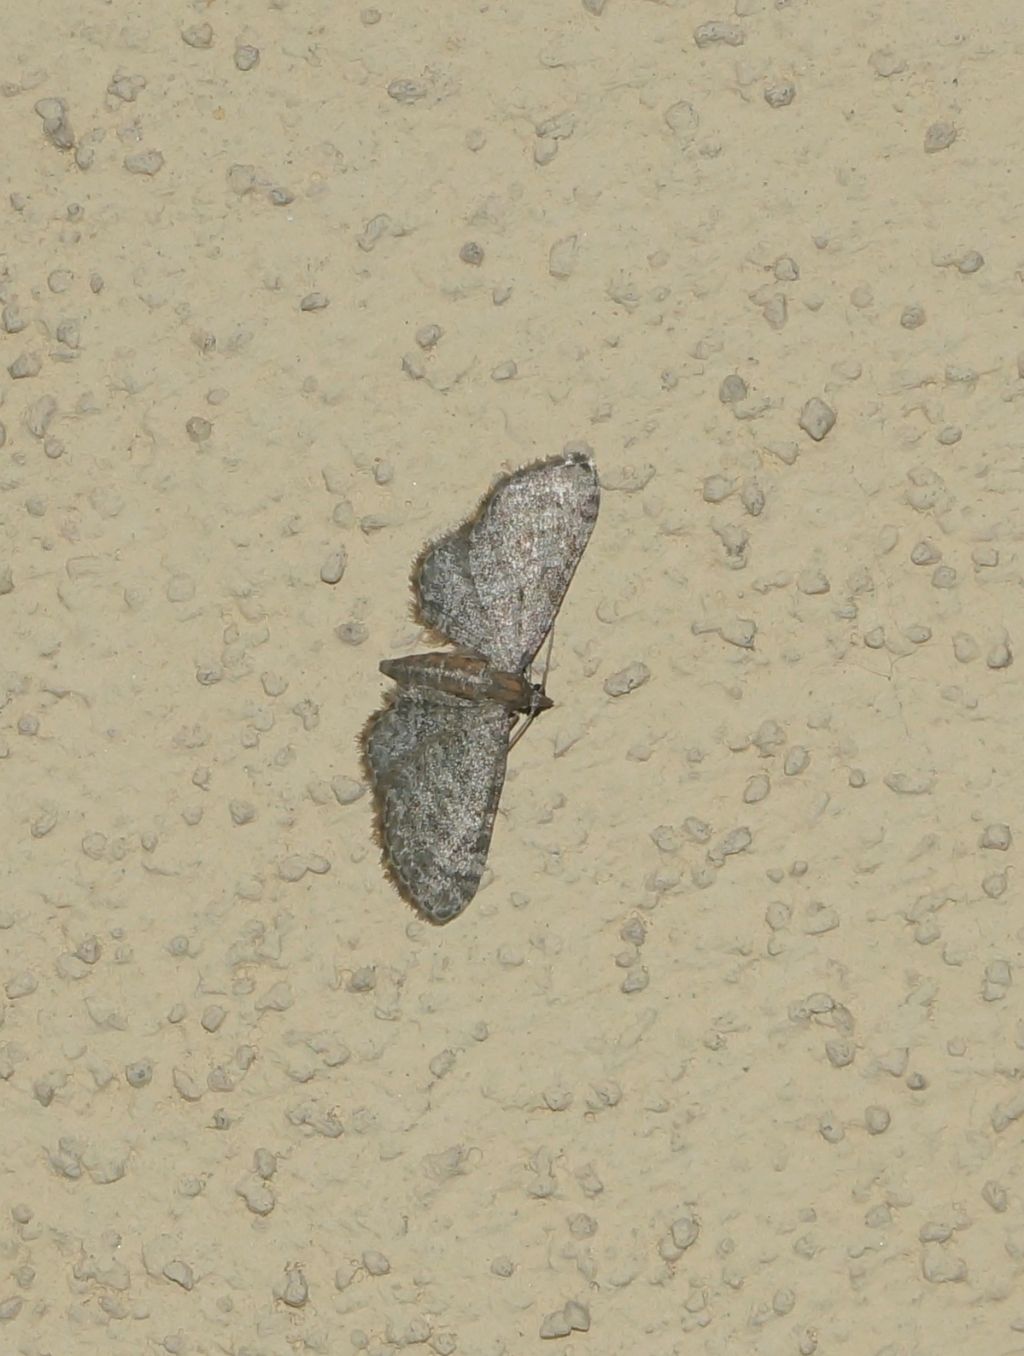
(447, 597)
(524, 551)
(438, 767)
(496, 584)
(395, 732)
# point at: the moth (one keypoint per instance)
(436, 753)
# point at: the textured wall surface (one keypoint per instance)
(728, 1054)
